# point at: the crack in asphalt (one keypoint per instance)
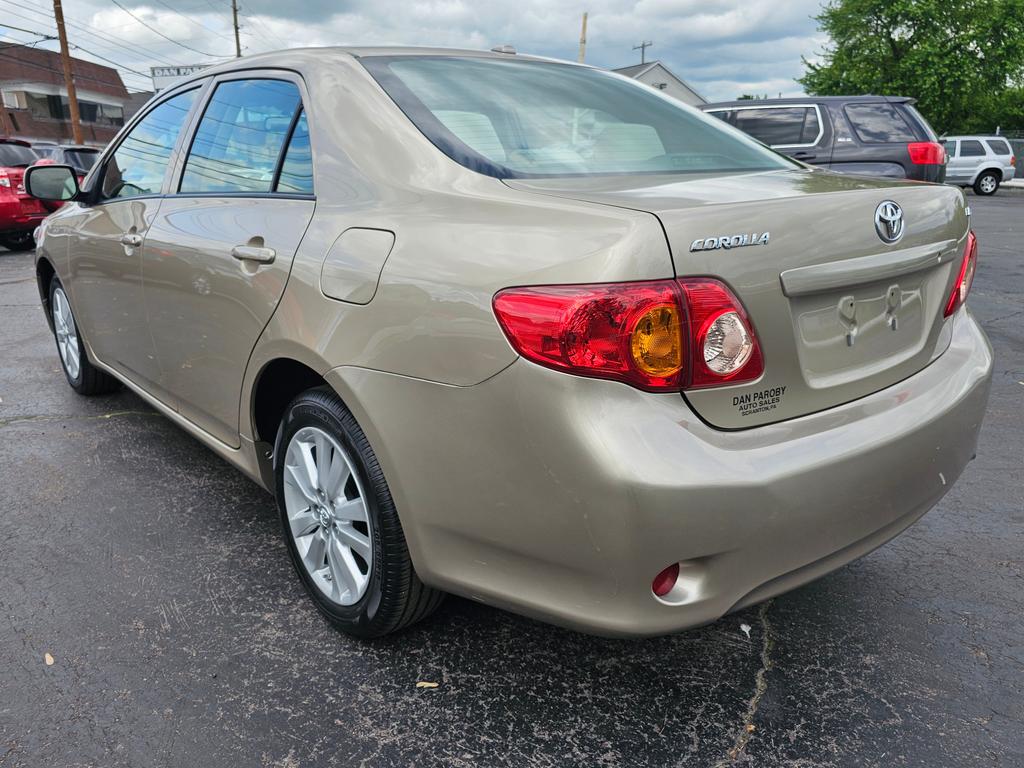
(98, 417)
(746, 730)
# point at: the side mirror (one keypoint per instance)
(54, 183)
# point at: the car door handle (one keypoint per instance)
(804, 155)
(131, 239)
(254, 253)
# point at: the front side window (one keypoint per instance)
(515, 118)
(138, 165)
(240, 137)
(879, 123)
(971, 148)
(779, 126)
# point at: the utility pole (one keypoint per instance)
(69, 80)
(644, 45)
(583, 39)
(234, 16)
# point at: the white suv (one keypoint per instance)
(982, 162)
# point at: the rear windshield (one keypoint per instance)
(82, 159)
(879, 123)
(15, 156)
(514, 118)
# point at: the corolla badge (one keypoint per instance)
(730, 241)
(889, 221)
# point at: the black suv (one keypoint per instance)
(871, 135)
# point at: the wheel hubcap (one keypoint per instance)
(327, 515)
(67, 333)
(988, 184)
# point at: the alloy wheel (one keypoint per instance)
(67, 334)
(327, 515)
(987, 184)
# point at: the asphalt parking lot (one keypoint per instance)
(154, 578)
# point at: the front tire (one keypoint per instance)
(986, 184)
(82, 375)
(340, 523)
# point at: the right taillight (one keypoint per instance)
(5, 180)
(964, 278)
(654, 335)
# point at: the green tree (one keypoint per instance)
(963, 60)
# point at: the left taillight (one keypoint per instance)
(965, 276)
(926, 153)
(5, 180)
(664, 335)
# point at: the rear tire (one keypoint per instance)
(82, 375)
(340, 523)
(986, 184)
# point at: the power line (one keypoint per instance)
(28, 31)
(108, 40)
(192, 21)
(158, 32)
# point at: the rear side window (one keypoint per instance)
(879, 123)
(779, 126)
(998, 146)
(240, 137)
(16, 155)
(297, 170)
(971, 148)
(138, 165)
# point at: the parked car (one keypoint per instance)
(522, 330)
(981, 162)
(78, 156)
(19, 212)
(870, 135)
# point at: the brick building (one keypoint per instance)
(34, 103)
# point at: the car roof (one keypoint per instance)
(78, 147)
(974, 136)
(297, 57)
(811, 100)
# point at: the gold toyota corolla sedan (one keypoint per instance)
(522, 330)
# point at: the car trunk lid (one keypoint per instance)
(839, 313)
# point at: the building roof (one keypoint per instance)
(639, 70)
(39, 69)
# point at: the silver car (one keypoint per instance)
(981, 162)
(521, 330)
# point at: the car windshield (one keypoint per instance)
(16, 156)
(515, 118)
(81, 159)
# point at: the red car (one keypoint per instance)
(19, 213)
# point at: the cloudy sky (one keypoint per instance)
(722, 47)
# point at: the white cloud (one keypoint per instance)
(723, 47)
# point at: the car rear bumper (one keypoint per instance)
(561, 497)
(17, 216)
(1008, 173)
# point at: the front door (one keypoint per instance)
(220, 249)
(108, 239)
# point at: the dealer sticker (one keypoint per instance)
(758, 402)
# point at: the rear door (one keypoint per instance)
(220, 250)
(969, 160)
